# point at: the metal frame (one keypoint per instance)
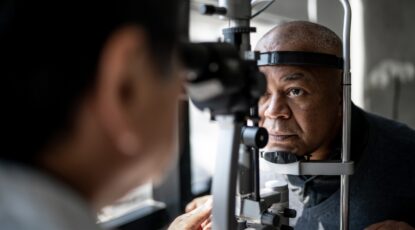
(344, 179)
(313, 168)
(224, 184)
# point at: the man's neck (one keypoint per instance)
(320, 155)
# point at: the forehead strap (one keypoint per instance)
(299, 58)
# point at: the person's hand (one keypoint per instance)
(195, 219)
(197, 202)
(390, 225)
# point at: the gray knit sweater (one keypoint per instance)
(382, 188)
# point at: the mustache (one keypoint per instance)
(280, 126)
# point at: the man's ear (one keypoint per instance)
(116, 87)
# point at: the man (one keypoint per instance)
(88, 108)
(302, 111)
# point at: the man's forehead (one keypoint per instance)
(280, 75)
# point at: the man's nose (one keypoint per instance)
(278, 108)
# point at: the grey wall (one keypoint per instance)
(330, 14)
(390, 53)
(294, 9)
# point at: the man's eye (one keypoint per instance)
(295, 92)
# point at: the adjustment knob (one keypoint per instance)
(289, 213)
(255, 136)
(270, 219)
(211, 9)
(240, 224)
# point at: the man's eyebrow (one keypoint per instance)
(295, 77)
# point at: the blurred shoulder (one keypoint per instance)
(32, 200)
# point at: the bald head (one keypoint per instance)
(301, 36)
(308, 37)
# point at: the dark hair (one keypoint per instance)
(49, 51)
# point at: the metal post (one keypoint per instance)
(239, 15)
(344, 184)
(224, 179)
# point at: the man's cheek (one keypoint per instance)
(302, 107)
(261, 111)
(261, 121)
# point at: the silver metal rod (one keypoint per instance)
(224, 178)
(344, 183)
(344, 205)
